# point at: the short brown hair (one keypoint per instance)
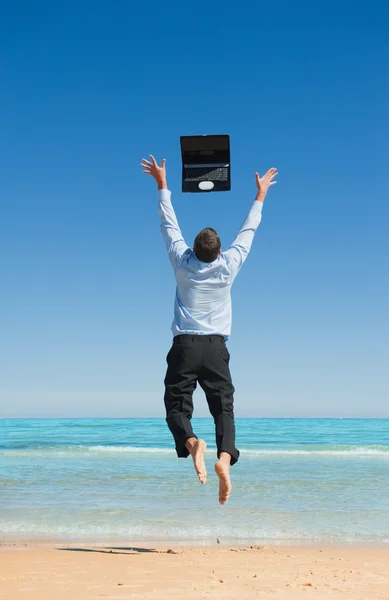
(207, 245)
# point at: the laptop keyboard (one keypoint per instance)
(206, 174)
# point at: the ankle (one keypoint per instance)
(190, 443)
(225, 458)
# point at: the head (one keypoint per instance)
(207, 245)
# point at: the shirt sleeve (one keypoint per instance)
(171, 233)
(238, 252)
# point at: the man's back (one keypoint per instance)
(203, 301)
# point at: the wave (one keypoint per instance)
(337, 451)
(140, 449)
(101, 450)
(58, 451)
(193, 534)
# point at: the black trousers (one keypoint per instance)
(203, 359)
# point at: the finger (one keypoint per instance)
(146, 166)
(257, 176)
(154, 161)
(163, 163)
(146, 161)
(148, 172)
(272, 183)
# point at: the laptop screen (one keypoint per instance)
(199, 149)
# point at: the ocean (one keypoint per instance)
(297, 481)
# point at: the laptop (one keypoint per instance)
(205, 163)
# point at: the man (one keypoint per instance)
(202, 324)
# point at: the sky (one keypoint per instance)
(86, 288)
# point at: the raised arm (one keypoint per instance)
(170, 229)
(238, 252)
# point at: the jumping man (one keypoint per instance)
(201, 326)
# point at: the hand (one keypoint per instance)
(156, 171)
(263, 183)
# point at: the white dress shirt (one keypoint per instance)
(203, 296)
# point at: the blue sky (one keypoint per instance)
(86, 290)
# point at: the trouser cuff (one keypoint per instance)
(233, 453)
(181, 449)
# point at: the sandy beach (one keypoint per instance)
(43, 571)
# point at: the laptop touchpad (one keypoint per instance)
(206, 185)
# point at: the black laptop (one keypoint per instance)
(205, 163)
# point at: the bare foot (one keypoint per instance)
(197, 452)
(222, 469)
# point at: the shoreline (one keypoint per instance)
(162, 545)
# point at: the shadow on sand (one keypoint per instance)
(114, 550)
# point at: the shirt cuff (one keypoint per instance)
(164, 194)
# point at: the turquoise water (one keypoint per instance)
(298, 480)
